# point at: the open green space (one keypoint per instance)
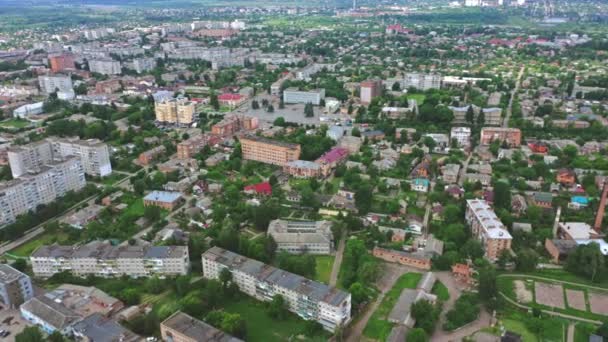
(263, 328)
(441, 291)
(418, 97)
(26, 249)
(378, 327)
(519, 327)
(582, 331)
(113, 178)
(15, 123)
(324, 266)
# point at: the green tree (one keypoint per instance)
(470, 116)
(309, 110)
(426, 315)
(280, 121)
(255, 104)
(214, 102)
(225, 277)
(587, 260)
(363, 199)
(277, 307)
(481, 118)
(152, 213)
(30, 334)
(487, 284)
(417, 335)
(526, 260)
(270, 109)
(502, 195)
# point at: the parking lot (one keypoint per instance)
(10, 320)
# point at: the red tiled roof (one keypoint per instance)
(229, 97)
(261, 188)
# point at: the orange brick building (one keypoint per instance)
(510, 136)
(269, 151)
(403, 258)
(61, 63)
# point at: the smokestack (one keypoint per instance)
(599, 217)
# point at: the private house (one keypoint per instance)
(566, 177)
(263, 189)
(542, 199)
(578, 202)
(164, 199)
(420, 185)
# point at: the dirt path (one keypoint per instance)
(570, 337)
(335, 270)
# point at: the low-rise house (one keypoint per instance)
(82, 217)
(401, 312)
(485, 180)
(48, 315)
(99, 328)
(542, 199)
(559, 249)
(518, 205)
(463, 273)
(164, 199)
(420, 185)
(566, 177)
(145, 158)
(450, 173)
(578, 202)
(181, 327)
(576, 231)
(522, 227)
(264, 189)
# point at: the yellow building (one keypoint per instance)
(175, 111)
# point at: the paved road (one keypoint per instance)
(513, 94)
(335, 270)
(570, 337)
(463, 170)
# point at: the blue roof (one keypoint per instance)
(579, 199)
(163, 196)
(421, 181)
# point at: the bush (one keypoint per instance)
(465, 310)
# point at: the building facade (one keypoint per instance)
(312, 237)
(61, 63)
(462, 135)
(93, 153)
(175, 111)
(15, 287)
(487, 228)
(510, 136)
(105, 66)
(55, 83)
(53, 180)
(292, 95)
(181, 327)
(369, 90)
(421, 81)
(308, 299)
(104, 260)
(269, 151)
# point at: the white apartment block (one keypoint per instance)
(93, 154)
(307, 72)
(175, 111)
(104, 260)
(421, 81)
(308, 299)
(292, 95)
(51, 181)
(56, 83)
(462, 135)
(141, 65)
(487, 228)
(313, 237)
(105, 66)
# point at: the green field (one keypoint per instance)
(378, 327)
(263, 328)
(582, 332)
(15, 123)
(418, 97)
(324, 266)
(26, 249)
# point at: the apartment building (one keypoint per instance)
(306, 73)
(141, 65)
(93, 153)
(175, 111)
(15, 287)
(308, 299)
(147, 157)
(302, 169)
(188, 148)
(313, 237)
(61, 63)
(52, 180)
(104, 260)
(55, 83)
(232, 124)
(487, 228)
(293, 95)
(181, 327)
(421, 81)
(29, 157)
(462, 135)
(105, 66)
(510, 136)
(269, 151)
(370, 89)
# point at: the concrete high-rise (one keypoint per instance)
(175, 111)
(369, 90)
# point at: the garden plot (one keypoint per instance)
(598, 302)
(550, 295)
(523, 294)
(576, 299)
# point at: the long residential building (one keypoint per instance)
(52, 83)
(51, 181)
(269, 151)
(104, 260)
(510, 136)
(175, 111)
(308, 299)
(93, 154)
(313, 237)
(487, 228)
(421, 81)
(105, 66)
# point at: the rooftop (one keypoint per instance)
(491, 224)
(196, 329)
(9, 274)
(163, 196)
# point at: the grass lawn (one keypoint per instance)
(324, 266)
(113, 178)
(582, 331)
(263, 328)
(418, 97)
(441, 291)
(26, 249)
(519, 328)
(136, 208)
(378, 327)
(16, 123)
